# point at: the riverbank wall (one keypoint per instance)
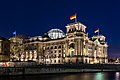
(53, 69)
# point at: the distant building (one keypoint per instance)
(56, 47)
(4, 49)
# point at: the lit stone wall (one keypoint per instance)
(54, 52)
(74, 48)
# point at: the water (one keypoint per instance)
(77, 76)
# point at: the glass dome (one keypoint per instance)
(56, 34)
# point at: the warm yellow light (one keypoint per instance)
(95, 61)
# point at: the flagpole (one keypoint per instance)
(15, 44)
(98, 32)
(76, 18)
(15, 37)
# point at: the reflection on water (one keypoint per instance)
(81, 76)
(78, 76)
(99, 76)
(117, 75)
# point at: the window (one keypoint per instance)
(72, 53)
(51, 47)
(55, 56)
(72, 45)
(52, 56)
(59, 47)
(54, 61)
(47, 57)
(55, 47)
(59, 51)
(55, 51)
(59, 56)
(58, 61)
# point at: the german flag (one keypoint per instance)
(96, 31)
(73, 17)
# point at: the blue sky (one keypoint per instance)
(35, 17)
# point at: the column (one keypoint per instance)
(76, 47)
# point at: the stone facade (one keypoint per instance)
(56, 47)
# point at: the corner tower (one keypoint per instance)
(75, 37)
(75, 29)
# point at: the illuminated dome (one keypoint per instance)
(56, 34)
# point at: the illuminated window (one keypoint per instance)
(64, 51)
(30, 51)
(72, 53)
(63, 55)
(64, 46)
(35, 52)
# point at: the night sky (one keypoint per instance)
(35, 17)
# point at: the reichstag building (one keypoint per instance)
(57, 47)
